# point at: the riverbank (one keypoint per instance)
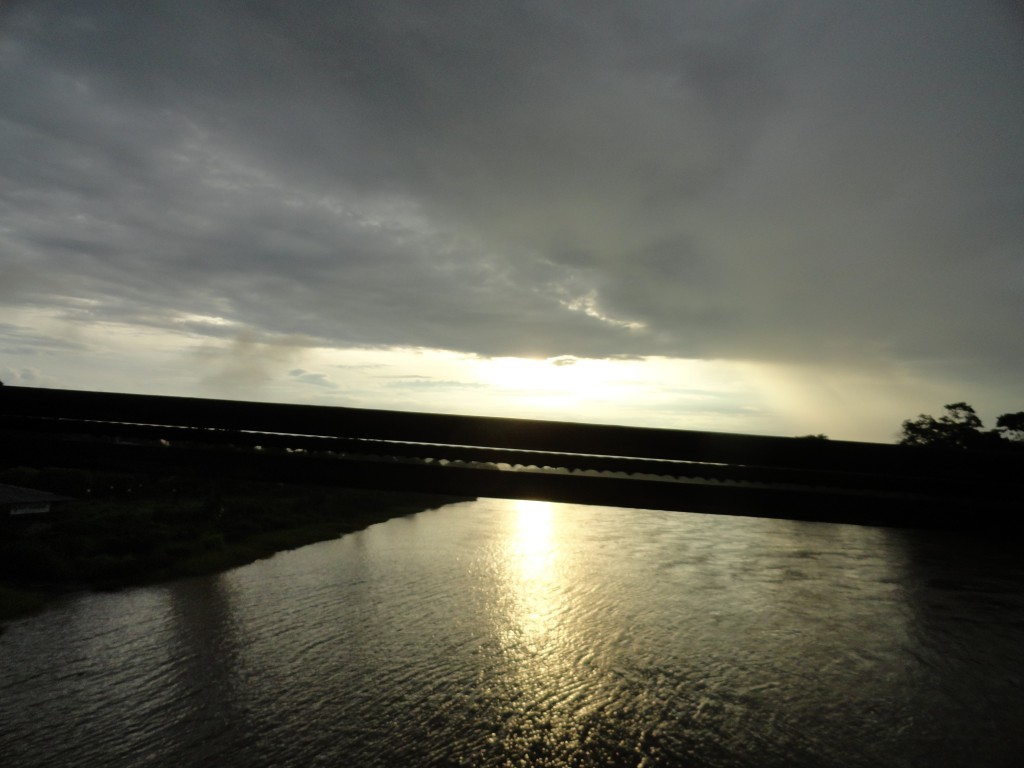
(152, 531)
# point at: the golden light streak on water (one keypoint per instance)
(532, 572)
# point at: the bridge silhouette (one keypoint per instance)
(458, 455)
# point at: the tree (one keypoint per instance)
(1010, 426)
(960, 427)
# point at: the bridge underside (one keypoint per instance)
(795, 478)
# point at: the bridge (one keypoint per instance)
(680, 470)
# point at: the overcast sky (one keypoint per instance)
(766, 216)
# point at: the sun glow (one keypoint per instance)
(555, 380)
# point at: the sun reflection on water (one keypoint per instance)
(534, 636)
(533, 546)
(533, 573)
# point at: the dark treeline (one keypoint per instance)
(960, 427)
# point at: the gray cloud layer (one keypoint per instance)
(783, 181)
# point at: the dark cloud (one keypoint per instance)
(791, 181)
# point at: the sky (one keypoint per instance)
(757, 216)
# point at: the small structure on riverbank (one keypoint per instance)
(16, 501)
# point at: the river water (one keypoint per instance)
(523, 633)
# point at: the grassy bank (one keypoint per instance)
(131, 530)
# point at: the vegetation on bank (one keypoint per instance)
(126, 529)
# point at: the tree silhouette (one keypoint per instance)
(1011, 426)
(960, 427)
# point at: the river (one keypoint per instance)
(524, 633)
